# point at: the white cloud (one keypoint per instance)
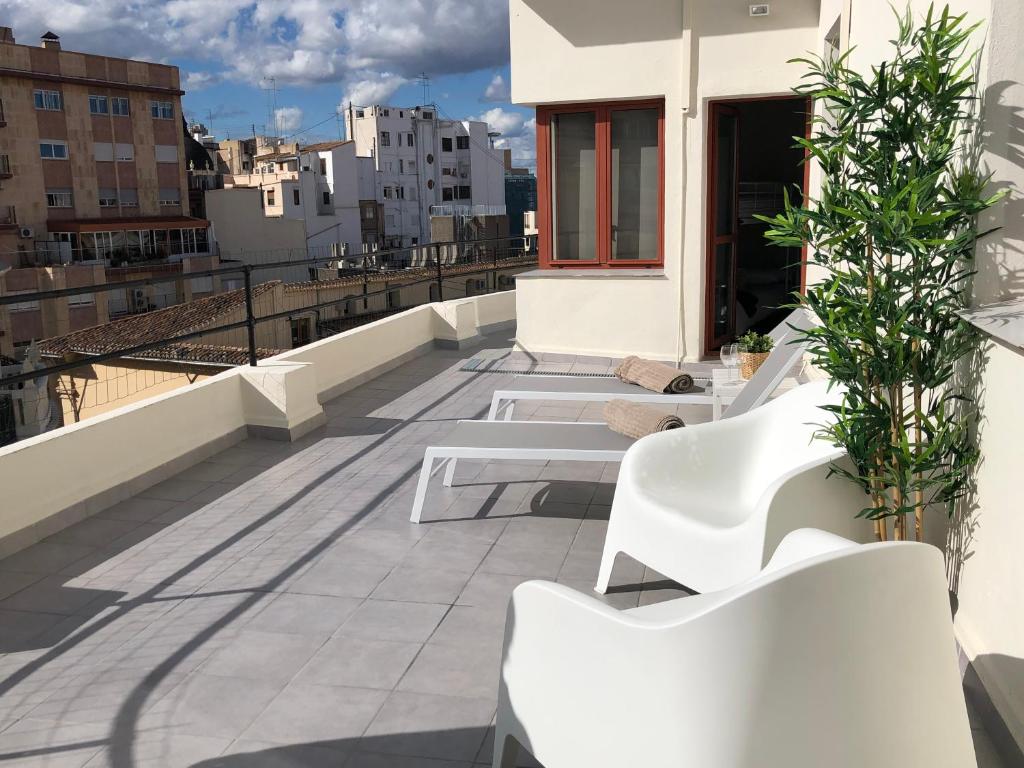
(368, 88)
(195, 81)
(295, 41)
(517, 133)
(509, 123)
(497, 89)
(287, 120)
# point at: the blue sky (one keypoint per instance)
(320, 54)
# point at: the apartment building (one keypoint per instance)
(422, 161)
(93, 159)
(316, 184)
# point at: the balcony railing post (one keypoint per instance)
(440, 281)
(250, 316)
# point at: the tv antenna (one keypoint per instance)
(271, 103)
(423, 80)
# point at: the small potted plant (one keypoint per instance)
(754, 349)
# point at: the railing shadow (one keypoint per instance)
(112, 608)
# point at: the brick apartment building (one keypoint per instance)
(92, 170)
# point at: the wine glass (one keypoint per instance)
(730, 359)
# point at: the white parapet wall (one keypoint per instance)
(66, 475)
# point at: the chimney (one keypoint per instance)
(6, 35)
(50, 41)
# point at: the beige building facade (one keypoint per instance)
(94, 152)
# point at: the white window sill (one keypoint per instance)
(620, 274)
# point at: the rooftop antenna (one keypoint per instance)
(271, 102)
(423, 80)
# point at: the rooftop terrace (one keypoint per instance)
(273, 606)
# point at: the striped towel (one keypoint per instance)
(655, 376)
(637, 420)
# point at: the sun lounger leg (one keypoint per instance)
(508, 410)
(421, 486)
(449, 473)
(492, 414)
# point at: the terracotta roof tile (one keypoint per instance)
(149, 327)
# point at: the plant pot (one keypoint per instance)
(750, 362)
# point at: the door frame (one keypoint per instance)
(707, 343)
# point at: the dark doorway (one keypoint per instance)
(752, 159)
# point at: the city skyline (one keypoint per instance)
(288, 68)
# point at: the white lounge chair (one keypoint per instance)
(786, 352)
(707, 505)
(573, 441)
(835, 655)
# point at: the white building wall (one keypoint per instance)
(418, 169)
(687, 53)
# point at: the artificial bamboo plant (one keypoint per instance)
(893, 231)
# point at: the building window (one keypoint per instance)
(360, 113)
(129, 198)
(401, 163)
(162, 110)
(270, 197)
(170, 196)
(385, 139)
(600, 184)
(167, 153)
(59, 198)
(295, 197)
(98, 105)
(463, 193)
(446, 144)
(462, 142)
(409, 140)
(386, 112)
(327, 198)
(126, 152)
(447, 193)
(53, 150)
(49, 100)
(323, 166)
(103, 152)
(108, 198)
(399, 135)
(400, 192)
(427, 114)
(119, 106)
(22, 306)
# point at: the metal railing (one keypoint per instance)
(450, 269)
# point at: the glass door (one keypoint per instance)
(722, 226)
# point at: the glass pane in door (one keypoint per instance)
(573, 182)
(725, 162)
(635, 184)
(722, 317)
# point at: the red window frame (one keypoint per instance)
(602, 141)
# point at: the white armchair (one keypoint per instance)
(707, 505)
(836, 655)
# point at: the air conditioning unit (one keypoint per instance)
(26, 233)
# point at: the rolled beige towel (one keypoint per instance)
(655, 376)
(638, 420)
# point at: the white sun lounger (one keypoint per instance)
(523, 440)
(575, 441)
(598, 389)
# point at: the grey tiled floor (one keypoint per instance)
(273, 606)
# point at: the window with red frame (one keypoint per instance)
(600, 185)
